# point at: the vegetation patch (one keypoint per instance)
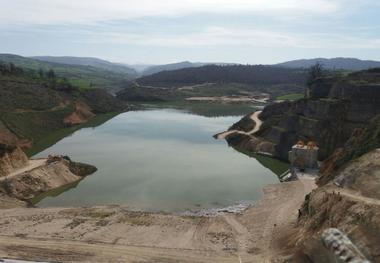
(291, 97)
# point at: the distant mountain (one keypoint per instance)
(78, 75)
(333, 63)
(138, 67)
(247, 74)
(168, 67)
(87, 61)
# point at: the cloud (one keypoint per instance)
(89, 11)
(225, 36)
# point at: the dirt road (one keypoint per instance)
(355, 196)
(255, 118)
(32, 164)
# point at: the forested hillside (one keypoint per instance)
(93, 62)
(247, 74)
(78, 75)
(33, 106)
(351, 64)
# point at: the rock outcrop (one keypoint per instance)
(11, 158)
(82, 114)
(56, 172)
(348, 198)
(334, 109)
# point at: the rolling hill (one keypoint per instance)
(33, 107)
(169, 67)
(247, 74)
(79, 75)
(352, 64)
(214, 81)
(87, 61)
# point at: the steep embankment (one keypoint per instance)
(11, 159)
(41, 176)
(31, 107)
(348, 198)
(254, 117)
(334, 108)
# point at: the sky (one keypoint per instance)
(167, 31)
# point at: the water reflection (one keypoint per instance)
(163, 159)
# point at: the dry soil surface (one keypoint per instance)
(114, 234)
(255, 119)
(32, 164)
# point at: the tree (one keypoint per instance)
(12, 68)
(51, 74)
(314, 73)
(41, 73)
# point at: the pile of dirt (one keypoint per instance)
(82, 114)
(51, 174)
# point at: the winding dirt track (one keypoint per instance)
(255, 118)
(355, 196)
(32, 164)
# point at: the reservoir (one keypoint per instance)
(160, 159)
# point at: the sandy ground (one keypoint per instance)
(32, 164)
(114, 234)
(254, 117)
(353, 195)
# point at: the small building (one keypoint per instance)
(304, 156)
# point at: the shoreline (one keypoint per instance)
(242, 232)
(250, 235)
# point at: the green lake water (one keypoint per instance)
(161, 159)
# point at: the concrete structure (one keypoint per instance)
(341, 247)
(304, 156)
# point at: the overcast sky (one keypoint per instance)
(163, 31)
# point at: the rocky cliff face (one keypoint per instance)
(334, 110)
(361, 142)
(11, 158)
(353, 208)
(348, 198)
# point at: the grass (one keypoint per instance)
(291, 97)
(35, 125)
(81, 83)
(82, 76)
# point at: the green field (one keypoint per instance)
(81, 76)
(292, 96)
